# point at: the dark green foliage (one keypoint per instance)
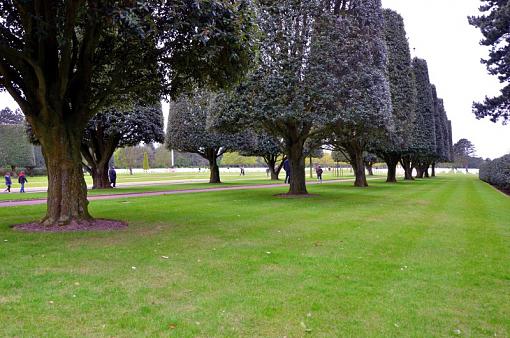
(494, 24)
(402, 83)
(424, 132)
(497, 172)
(8, 116)
(115, 128)
(15, 149)
(187, 129)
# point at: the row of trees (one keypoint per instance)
(334, 74)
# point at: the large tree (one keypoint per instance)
(307, 59)
(188, 131)
(363, 99)
(266, 146)
(403, 95)
(424, 129)
(494, 23)
(64, 61)
(115, 128)
(463, 150)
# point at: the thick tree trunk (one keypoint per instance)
(408, 168)
(391, 163)
(433, 174)
(214, 176)
(271, 164)
(370, 169)
(297, 169)
(426, 171)
(358, 166)
(67, 191)
(419, 171)
(100, 179)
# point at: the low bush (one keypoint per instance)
(497, 172)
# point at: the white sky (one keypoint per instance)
(439, 32)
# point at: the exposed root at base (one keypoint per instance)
(74, 226)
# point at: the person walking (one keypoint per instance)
(286, 167)
(22, 180)
(112, 175)
(8, 182)
(318, 171)
(242, 171)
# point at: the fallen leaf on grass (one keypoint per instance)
(165, 257)
(172, 326)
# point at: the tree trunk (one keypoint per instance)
(297, 169)
(271, 164)
(100, 179)
(311, 166)
(433, 174)
(370, 169)
(407, 166)
(213, 167)
(67, 191)
(419, 171)
(391, 163)
(358, 166)
(426, 171)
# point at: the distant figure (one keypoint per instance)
(112, 175)
(8, 182)
(22, 180)
(318, 171)
(242, 171)
(267, 172)
(199, 169)
(286, 167)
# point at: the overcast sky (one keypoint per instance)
(438, 31)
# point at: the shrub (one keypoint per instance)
(496, 172)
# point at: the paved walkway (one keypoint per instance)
(165, 192)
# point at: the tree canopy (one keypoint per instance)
(115, 128)
(493, 23)
(188, 131)
(65, 61)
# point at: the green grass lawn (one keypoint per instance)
(416, 259)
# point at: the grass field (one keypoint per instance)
(418, 259)
(42, 181)
(165, 183)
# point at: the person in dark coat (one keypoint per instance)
(8, 182)
(22, 180)
(318, 171)
(112, 175)
(286, 167)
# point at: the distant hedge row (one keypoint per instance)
(497, 172)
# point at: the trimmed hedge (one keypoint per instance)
(497, 172)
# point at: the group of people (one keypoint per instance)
(22, 179)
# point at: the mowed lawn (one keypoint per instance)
(420, 259)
